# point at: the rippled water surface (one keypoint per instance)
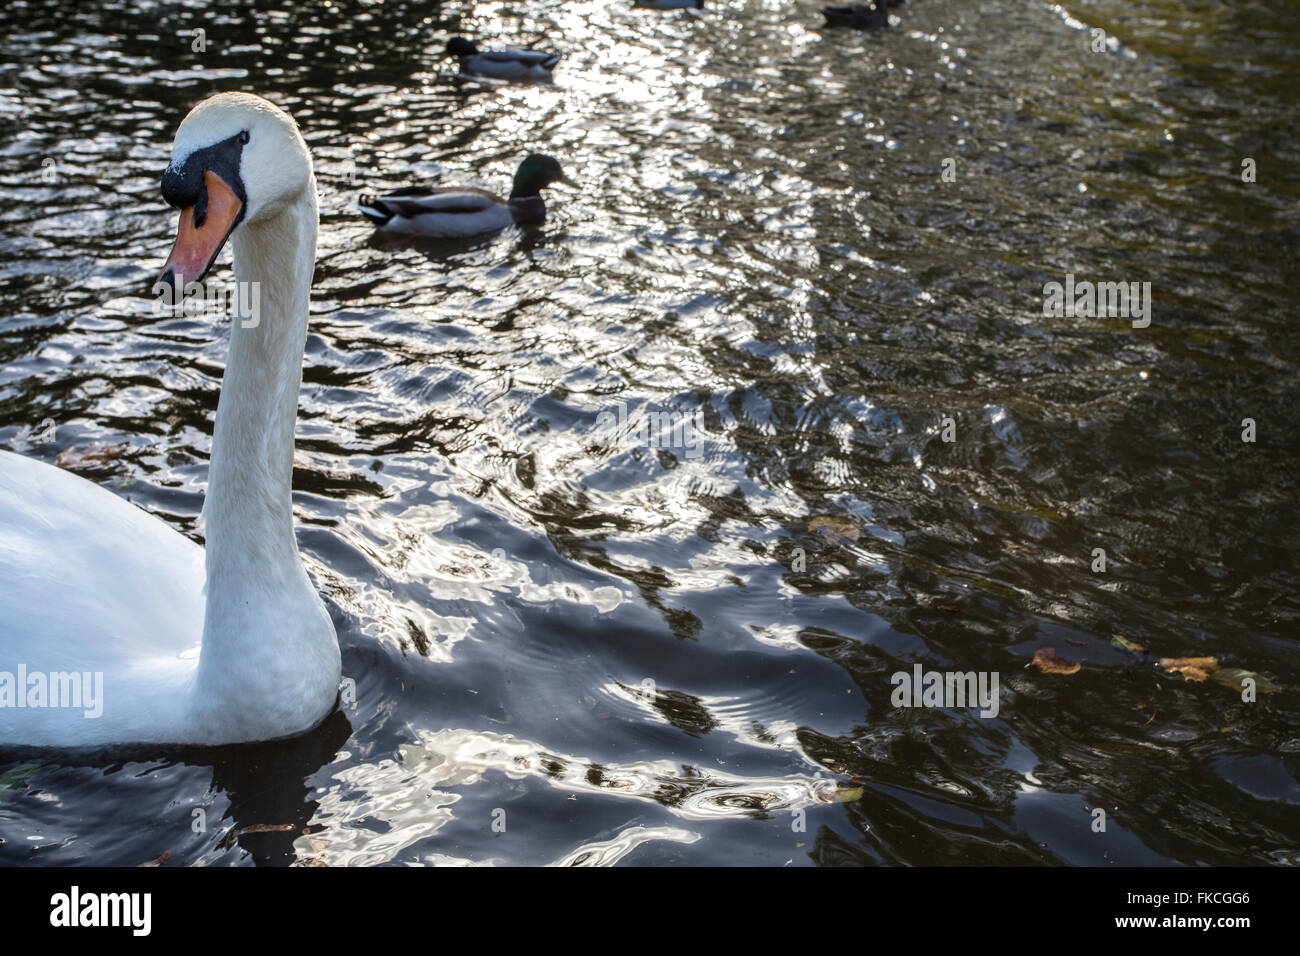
(571, 647)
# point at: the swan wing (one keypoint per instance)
(89, 583)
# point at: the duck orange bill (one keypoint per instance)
(198, 244)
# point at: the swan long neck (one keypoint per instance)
(252, 553)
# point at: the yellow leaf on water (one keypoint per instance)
(1128, 645)
(848, 794)
(89, 456)
(318, 848)
(1192, 668)
(1045, 660)
(840, 526)
(1233, 678)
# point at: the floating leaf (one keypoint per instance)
(1045, 660)
(159, 860)
(1128, 645)
(318, 848)
(847, 794)
(1232, 677)
(1192, 668)
(14, 780)
(267, 828)
(89, 456)
(840, 526)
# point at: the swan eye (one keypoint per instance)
(243, 137)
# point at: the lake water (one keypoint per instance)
(570, 645)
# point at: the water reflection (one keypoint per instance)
(695, 646)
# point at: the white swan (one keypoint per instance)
(195, 646)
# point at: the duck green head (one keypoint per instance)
(461, 46)
(536, 172)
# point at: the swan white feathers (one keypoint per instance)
(219, 644)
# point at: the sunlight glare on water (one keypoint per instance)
(661, 655)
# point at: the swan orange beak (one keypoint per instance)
(204, 229)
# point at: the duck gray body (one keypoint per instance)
(501, 64)
(463, 211)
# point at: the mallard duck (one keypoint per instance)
(859, 16)
(501, 64)
(669, 4)
(464, 211)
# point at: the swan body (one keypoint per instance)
(464, 212)
(210, 645)
(501, 64)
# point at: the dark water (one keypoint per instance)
(658, 655)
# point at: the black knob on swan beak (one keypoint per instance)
(182, 188)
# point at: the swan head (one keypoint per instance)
(236, 159)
